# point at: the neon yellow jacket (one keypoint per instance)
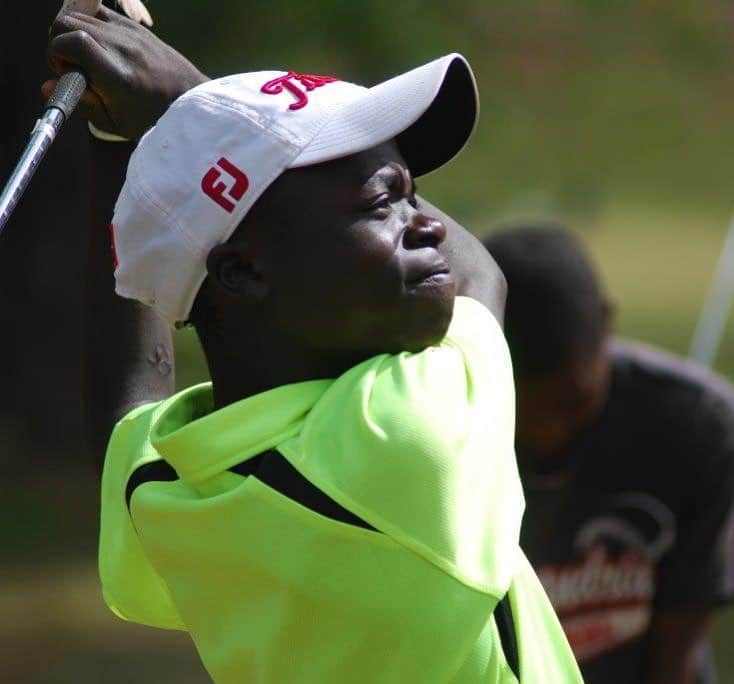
(420, 446)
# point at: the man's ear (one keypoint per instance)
(231, 267)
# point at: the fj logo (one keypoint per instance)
(224, 194)
(298, 85)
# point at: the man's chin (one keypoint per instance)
(427, 322)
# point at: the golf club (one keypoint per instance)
(60, 105)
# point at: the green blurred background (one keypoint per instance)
(615, 117)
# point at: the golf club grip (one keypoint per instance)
(68, 91)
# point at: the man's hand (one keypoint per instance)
(133, 75)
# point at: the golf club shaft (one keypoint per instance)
(59, 107)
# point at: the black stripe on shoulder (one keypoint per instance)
(275, 471)
(506, 628)
(157, 471)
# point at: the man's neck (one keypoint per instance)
(255, 368)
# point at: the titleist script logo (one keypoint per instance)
(224, 194)
(298, 85)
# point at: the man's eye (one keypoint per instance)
(382, 202)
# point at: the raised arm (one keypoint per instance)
(475, 270)
(128, 355)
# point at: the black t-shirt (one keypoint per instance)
(638, 515)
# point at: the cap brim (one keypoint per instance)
(431, 111)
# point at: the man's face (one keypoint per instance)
(552, 407)
(350, 265)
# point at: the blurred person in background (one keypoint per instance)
(627, 460)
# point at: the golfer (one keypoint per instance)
(341, 503)
(627, 460)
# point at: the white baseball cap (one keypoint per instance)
(194, 176)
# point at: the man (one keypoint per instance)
(627, 460)
(319, 511)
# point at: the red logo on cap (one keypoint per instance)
(224, 195)
(307, 83)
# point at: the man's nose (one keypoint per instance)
(424, 231)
